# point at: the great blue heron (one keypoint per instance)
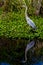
(29, 21)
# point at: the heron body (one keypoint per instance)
(29, 21)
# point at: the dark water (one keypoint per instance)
(36, 63)
(4, 63)
(12, 52)
(39, 63)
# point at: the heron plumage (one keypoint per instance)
(29, 21)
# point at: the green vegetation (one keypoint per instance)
(10, 5)
(13, 24)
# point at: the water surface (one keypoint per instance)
(13, 51)
(4, 63)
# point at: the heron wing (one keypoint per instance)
(30, 22)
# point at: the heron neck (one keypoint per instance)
(26, 11)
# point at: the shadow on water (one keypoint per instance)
(21, 52)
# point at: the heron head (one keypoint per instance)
(23, 5)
